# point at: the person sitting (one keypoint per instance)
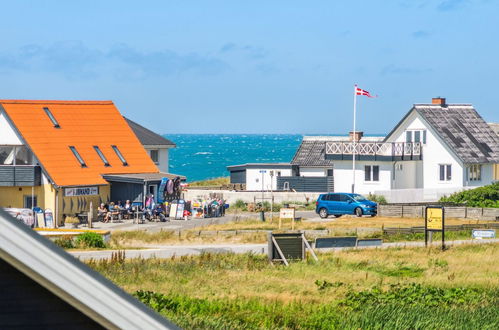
(114, 211)
(103, 213)
(159, 212)
(127, 209)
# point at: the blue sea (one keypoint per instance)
(205, 156)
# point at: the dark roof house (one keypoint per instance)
(148, 137)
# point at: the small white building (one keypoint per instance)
(259, 176)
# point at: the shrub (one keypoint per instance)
(240, 205)
(90, 240)
(380, 199)
(486, 196)
(64, 242)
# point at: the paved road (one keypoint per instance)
(173, 224)
(166, 251)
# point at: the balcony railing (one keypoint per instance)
(374, 150)
(20, 175)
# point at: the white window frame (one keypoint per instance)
(422, 135)
(370, 169)
(475, 172)
(447, 168)
(156, 151)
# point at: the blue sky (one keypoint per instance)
(253, 66)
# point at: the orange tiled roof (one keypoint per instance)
(83, 124)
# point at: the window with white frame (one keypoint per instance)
(475, 172)
(445, 172)
(371, 173)
(415, 136)
(154, 155)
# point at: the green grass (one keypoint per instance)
(409, 309)
(413, 237)
(211, 182)
(398, 288)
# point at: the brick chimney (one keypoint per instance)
(357, 137)
(438, 100)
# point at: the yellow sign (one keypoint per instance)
(434, 218)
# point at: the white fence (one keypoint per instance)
(252, 196)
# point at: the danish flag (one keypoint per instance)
(359, 91)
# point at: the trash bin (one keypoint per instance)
(262, 216)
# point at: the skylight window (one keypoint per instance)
(78, 157)
(51, 117)
(101, 155)
(120, 156)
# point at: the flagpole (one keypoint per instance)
(354, 135)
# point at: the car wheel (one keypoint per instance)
(338, 215)
(358, 212)
(323, 213)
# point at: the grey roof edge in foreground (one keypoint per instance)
(148, 137)
(72, 281)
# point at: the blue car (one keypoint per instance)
(338, 204)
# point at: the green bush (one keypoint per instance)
(90, 240)
(486, 196)
(380, 199)
(64, 242)
(239, 204)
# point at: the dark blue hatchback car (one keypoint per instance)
(338, 204)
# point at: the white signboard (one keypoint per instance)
(483, 233)
(287, 213)
(81, 191)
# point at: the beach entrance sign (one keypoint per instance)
(287, 213)
(288, 246)
(434, 222)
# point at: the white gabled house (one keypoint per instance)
(436, 149)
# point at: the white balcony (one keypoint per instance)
(374, 150)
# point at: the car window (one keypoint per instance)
(344, 198)
(334, 197)
(359, 198)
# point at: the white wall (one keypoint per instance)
(343, 177)
(163, 157)
(409, 176)
(435, 152)
(254, 178)
(7, 133)
(250, 197)
(312, 171)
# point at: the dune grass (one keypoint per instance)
(345, 226)
(215, 182)
(457, 288)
